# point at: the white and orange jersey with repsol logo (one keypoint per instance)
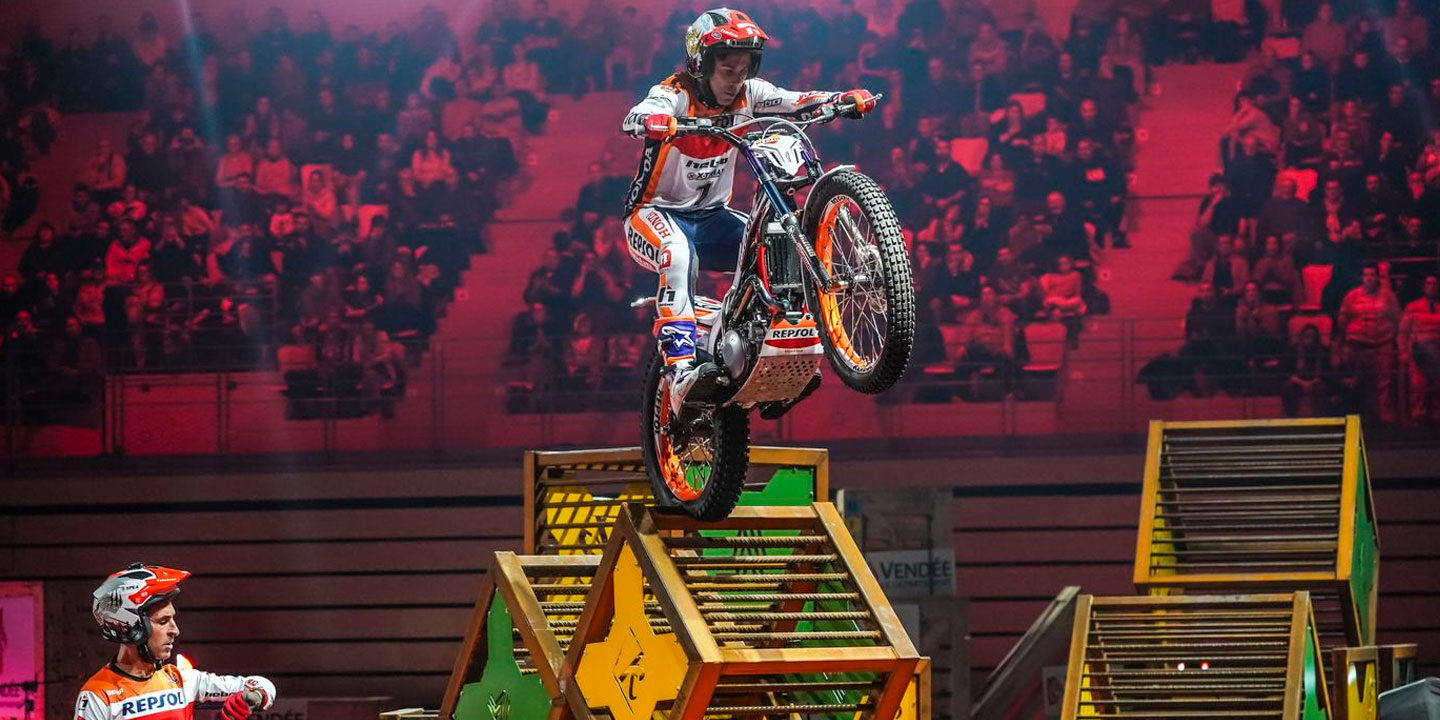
(169, 694)
(696, 172)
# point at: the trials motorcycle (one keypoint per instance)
(827, 275)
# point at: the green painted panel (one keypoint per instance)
(1365, 561)
(788, 486)
(502, 692)
(1312, 706)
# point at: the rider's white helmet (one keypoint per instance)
(721, 29)
(122, 604)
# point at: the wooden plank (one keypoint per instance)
(420, 555)
(1246, 424)
(1349, 483)
(866, 583)
(467, 656)
(186, 528)
(1145, 537)
(1075, 664)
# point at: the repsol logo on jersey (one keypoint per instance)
(152, 703)
(785, 333)
(642, 247)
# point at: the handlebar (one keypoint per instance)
(706, 126)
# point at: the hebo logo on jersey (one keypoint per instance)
(151, 703)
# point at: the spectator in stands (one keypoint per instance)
(954, 286)
(1283, 213)
(1228, 271)
(1365, 335)
(1126, 56)
(1419, 343)
(1408, 26)
(12, 299)
(125, 254)
(1209, 341)
(988, 337)
(1014, 284)
(1100, 192)
(42, 257)
(1257, 324)
(147, 168)
(235, 162)
(83, 214)
(275, 174)
(434, 175)
(105, 173)
(1062, 290)
(1068, 232)
(1324, 37)
(1277, 276)
(1307, 392)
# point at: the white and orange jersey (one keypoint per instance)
(696, 172)
(169, 694)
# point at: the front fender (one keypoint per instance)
(811, 197)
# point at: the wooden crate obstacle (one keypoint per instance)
(525, 615)
(573, 497)
(1263, 506)
(774, 615)
(1175, 657)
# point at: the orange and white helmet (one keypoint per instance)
(123, 602)
(722, 29)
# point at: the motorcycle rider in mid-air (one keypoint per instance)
(677, 202)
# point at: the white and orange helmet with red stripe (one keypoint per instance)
(123, 602)
(722, 29)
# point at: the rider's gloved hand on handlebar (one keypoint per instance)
(863, 100)
(659, 126)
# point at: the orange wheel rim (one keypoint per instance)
(671, 470)
(829, 304)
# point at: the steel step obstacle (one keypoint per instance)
(1181, 657)
(1263, 506)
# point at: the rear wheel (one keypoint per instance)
(867, 327)
(698, 461)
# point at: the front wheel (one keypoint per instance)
(867, 326)
(697, 462)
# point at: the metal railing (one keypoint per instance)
(467, 395)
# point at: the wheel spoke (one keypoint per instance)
(853, 252)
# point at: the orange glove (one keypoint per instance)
(864, 101)
(659, 126)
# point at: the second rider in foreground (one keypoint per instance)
(677, 202)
